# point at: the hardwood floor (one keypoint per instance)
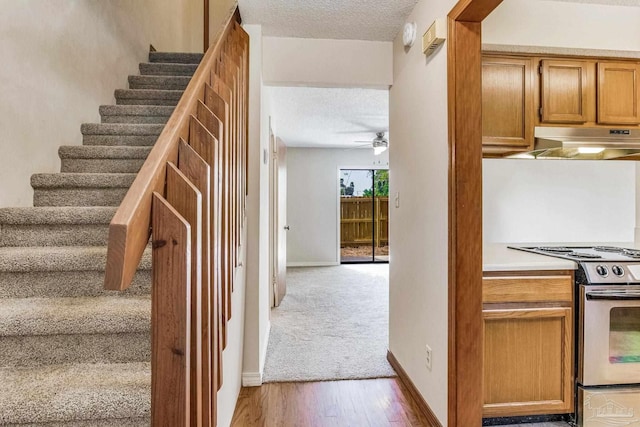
(360, 403)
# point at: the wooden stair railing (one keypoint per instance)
(189, 197)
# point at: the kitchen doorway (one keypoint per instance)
(364, 216)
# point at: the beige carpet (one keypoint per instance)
(331, 325)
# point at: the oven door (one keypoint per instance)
(610, 331)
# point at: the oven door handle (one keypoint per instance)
(613, 296)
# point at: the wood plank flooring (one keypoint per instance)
(360, 403)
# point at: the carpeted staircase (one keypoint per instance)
(72, 354)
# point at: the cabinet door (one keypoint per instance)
(507, 103)
(564, 91)
(528, 363)
(618, 93)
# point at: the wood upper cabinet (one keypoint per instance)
(618, 93)
(564, 91)
(528, 345)
(507, 104)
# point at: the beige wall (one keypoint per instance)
(257, 300)
(327, 63)
(418, 170)
(313, 198)
(61, 59)
(219, 11)
(563, 24)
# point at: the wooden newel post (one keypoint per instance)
(170, 316)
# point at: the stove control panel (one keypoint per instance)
(612, 272)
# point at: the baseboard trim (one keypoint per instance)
(251, 379)
(312, 264)
(413, 391)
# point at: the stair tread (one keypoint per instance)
(151, 93)
(75, 392)
(121, 129)
(74, 315)
(59, 258)
(175, 57)
(82, 180)
(159, 82)
(166, 68)
(56, 215)
(136, 110)
(103, 152)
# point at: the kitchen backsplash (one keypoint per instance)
(558, 201)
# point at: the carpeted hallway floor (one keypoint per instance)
(331, 325)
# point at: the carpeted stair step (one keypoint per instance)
(55, 226)
(120, 134)
(63, 271)
(176, 58)
(147, 97)
(167, 69)
(102, 159)
(78, 395)
(159, 82)
(49, 331)
(80, 189)
(143, 114)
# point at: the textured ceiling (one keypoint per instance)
(329, 117)
(328, 19)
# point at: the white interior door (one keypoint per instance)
(278, 220)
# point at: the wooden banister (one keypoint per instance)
(190, 197)
(129, 229)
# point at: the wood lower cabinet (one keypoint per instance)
(507, 104)
(618, 93)
(528, 345)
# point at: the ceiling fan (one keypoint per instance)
(380, 143)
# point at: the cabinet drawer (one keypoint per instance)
(527, 289)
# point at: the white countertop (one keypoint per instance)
(497, 257)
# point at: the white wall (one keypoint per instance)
(558, 201)
(563, 24)
(257, 299)
(331, 63)
(232, 355)
(532, 200)
(61, 59)
(418, 271)
(312, 200)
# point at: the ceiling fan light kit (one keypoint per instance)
(380, 143)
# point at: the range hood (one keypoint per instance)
(584, 144)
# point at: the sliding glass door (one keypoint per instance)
(364, 215)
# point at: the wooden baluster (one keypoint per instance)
(214, 125)
(170, 316)
(196, 169)
(187, 200)
(208, 147)
(234, 70)
(217, 98)
(244, 37)
(226, 77)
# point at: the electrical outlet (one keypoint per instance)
(429, 357)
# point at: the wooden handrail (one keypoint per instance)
(129, 229)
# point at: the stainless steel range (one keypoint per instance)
(608, 333)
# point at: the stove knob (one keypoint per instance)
(602, 270)
(617, 270)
